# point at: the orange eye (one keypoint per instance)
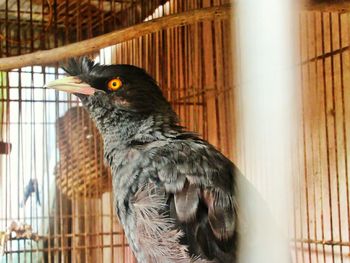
(114, 84)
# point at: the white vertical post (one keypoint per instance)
(267, 108)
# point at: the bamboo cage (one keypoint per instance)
(322, 203)
(193, 61)
(78, 171)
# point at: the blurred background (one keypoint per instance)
(269, 87)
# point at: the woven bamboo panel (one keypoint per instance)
(80, 170)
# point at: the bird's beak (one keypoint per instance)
(71, 84)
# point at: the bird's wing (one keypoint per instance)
(200, 183)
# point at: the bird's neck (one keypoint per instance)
(121, 129)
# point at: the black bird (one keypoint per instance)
(175, 194)
(32, 187)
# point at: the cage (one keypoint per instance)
(47, 138)
(78, 172)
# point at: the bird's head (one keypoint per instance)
(111, 88)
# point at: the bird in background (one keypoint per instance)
(176, 196)
(32, 187)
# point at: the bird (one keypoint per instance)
(31, 187)
(175, 194)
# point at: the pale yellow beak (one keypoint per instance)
(72, 85)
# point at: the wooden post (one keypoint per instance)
(5, 148)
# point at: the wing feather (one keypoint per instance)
(201, 181)
(186, 202)
(221, 213)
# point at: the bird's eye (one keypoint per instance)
(114, 84)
